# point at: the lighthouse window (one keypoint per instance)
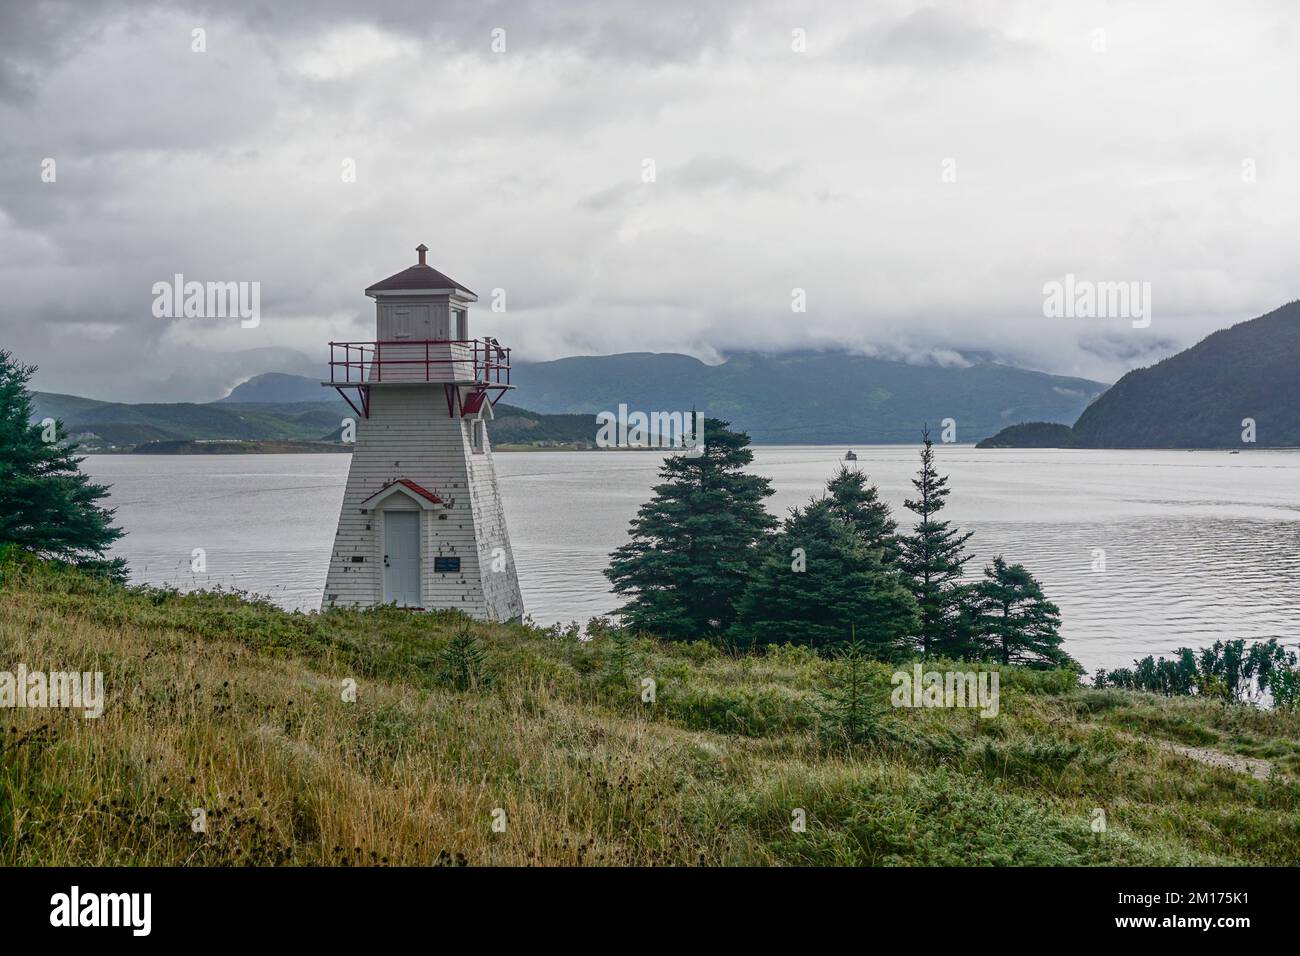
(401, 324)
(446, 565)
(457, 324)
(476, 435)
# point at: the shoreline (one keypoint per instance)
(317, 448)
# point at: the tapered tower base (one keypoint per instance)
(422, 523)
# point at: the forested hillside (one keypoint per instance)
(1240, 383)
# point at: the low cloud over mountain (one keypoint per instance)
(639, 183)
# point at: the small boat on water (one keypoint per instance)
(849, 456)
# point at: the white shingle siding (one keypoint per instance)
(409, 434)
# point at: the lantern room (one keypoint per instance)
(422, 337)
(421, 304)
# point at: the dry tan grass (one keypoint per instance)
(287, 771)
(259, 737)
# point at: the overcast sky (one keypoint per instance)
(1151, 142)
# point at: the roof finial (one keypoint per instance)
(422, 249)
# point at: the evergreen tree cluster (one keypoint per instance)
(705, 560)
(1228, 670)
(48, 506)
(696, 543)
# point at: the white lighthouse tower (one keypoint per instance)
(422, 524)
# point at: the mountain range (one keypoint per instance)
(167, 427)
(807, 397)
(798, 398)
(1242, 378)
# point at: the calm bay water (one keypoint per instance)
(1199, 545)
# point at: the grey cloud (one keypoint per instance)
(775, 170)
(1128, 349)
(931, 37)
(726, 173)
(32, 35)
(699, 175)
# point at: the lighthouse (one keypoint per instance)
(422, 525)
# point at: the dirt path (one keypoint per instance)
(1256, 767)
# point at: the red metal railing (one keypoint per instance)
(477, 361)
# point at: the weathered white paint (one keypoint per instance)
(405, 324)
(410, 435)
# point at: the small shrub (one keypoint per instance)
(620, 660)
(748, 711)
(1285, 687)
(463, 665)
(1029, 760)
(1100, 701)
(851, 702)
(696, 652)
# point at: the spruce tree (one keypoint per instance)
(963, 638)
(850, 705)
(1018, 623)
(696, 543)
(858, 503)
(819, 585)
(462, 664)
(48, 507)
(933, 557)
(620, 659)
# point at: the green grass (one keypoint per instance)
(232, 706)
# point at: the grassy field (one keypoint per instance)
(235, 708)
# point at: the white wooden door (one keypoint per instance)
(402, 558)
